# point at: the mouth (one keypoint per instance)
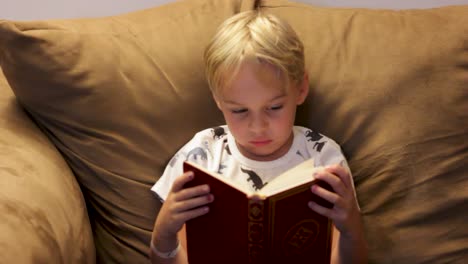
(259, 143)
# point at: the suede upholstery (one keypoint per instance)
(44, 218)
(117, 96)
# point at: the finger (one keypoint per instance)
(190, 204)
(325, 194)
(341, 172)
(181, 180)
(192, 192)
(333, 180)
(320, 209)
(187, 215)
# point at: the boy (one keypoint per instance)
(255, 70)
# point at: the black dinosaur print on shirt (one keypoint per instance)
(319, 145)
(228, 150)
(221, 168)
(312, 135)
(257, 182)
(218, 132)
(315, 137)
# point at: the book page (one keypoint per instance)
(295, 176)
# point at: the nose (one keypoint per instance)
(258, 123)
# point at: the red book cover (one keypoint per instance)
(272, 228)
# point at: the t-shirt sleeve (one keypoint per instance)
(196, 150)
(331, 154)
(173, 170)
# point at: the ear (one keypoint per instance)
(303, 89)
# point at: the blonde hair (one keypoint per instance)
(253, 35)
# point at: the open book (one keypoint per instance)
(273, 225)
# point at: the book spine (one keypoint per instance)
(256, 231)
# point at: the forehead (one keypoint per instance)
(254, 74)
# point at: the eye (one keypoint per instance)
(239, 111)
(276, 107)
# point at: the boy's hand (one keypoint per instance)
(345, 213)
(181, 205)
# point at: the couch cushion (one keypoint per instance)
(392, 88)
(117, 96)
(44, 218)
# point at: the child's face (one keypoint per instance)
(259, 108)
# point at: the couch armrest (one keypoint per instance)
(44, 217)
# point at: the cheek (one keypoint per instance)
(229, 118)
(288, 113)
(234, 123)
(237, 130)
(284, 122)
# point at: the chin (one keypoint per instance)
(265, 155)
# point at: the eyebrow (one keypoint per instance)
(272, 99)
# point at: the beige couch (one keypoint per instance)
(92, 110)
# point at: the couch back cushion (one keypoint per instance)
(119, 95)
(392, 88)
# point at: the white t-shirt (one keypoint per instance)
(215, 149)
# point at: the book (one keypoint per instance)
(272, 225)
